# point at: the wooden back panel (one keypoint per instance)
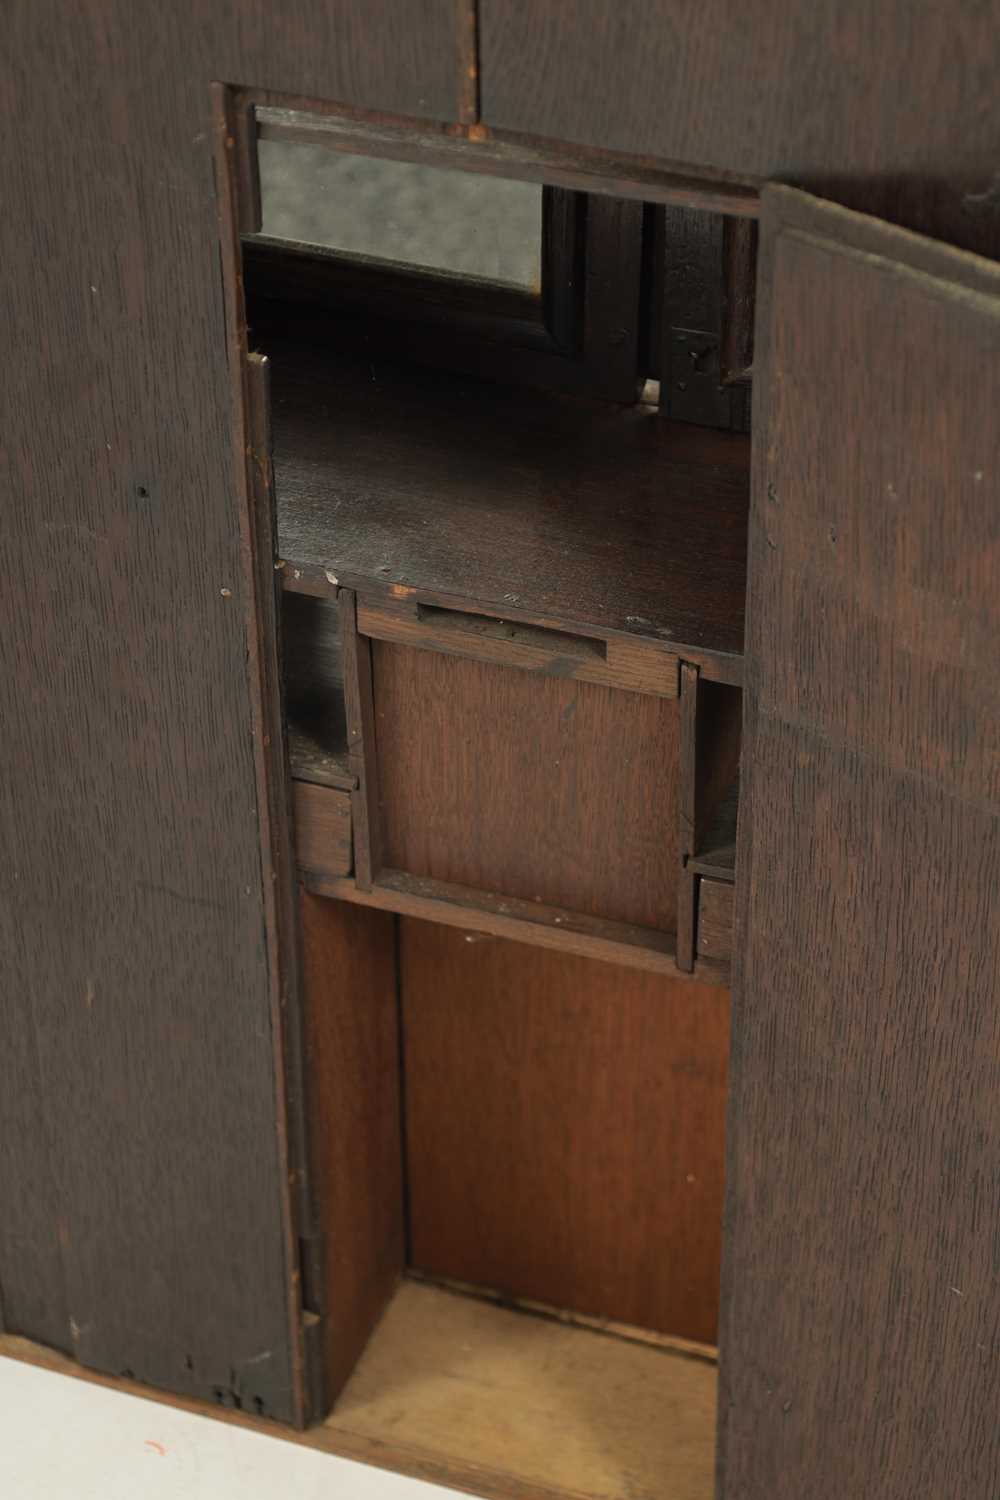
(564, 1128)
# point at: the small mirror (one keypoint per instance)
(432, 217)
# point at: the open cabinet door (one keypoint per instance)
(862, 1278)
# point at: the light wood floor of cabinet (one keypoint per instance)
(506, 1403)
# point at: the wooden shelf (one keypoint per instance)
(314, 762)
(529, 922)
(529, 504)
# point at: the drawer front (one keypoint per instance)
(549, 789)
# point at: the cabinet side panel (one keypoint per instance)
(352, 1081)
(139, 1016)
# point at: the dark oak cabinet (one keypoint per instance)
(502, 797)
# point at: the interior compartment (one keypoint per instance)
(512, 641)
(535, 505)
(564, 1125)
(518, 1158)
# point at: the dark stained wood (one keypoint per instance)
(372, 292)
(564, 235)
(312, 666)
(861, 1291)
(890, 108)
(693, 283)
(528, 922)
(687, 816)
(360, 719)
(32, 1281)
(514, 156)
(711, 714)
(719, 744)
(715, 919)
(635, 666)
(550, 790)
(352, 1056)
(275, 816)
(739, 264)
(564, 1126)
(467, 47)
(139, 1002)
(323, 830)
(716, 854)
(612, 261)
(593, 517)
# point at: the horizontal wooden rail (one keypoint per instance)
(640, 667)
(521, 921)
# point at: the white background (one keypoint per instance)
(67, 1439)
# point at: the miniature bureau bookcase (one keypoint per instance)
(500, 922)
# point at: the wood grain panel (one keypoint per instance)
(715, 918)
(352, 1056)
(556, 791)
(564, 1126)
(890, 108)
(862, 1285)
(322, 829)
(132, 919)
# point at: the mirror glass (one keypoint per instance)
(432, 217)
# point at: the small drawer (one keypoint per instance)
(322, 829)
(537, 784)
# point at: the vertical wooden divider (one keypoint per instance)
(352, 1052)
(687, 811)
(739, 270)
(361, 742)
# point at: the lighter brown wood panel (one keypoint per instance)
(555, 791)
(352, 1072)
(565, 1128)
